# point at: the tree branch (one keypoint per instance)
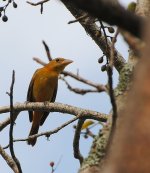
(81, 91)
(97, 151)
(39, 61)
(11, 147)
(9, 160)
(47, 133)
(38, 3)
(52, 107)
(76, 141)
(47, 50)
(99, 87)
(112, 13)
(7, 121)
(111, 91)
(78, 19)
(93, 30)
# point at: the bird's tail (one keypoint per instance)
(33, 131)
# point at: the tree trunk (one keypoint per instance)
(130, 149)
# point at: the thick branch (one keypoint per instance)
(9, 160)
(53, 107)
(93, 30)
(136, 143)
(143, 8)
(112, 13)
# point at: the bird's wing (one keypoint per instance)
(30, 95)
(52, 100)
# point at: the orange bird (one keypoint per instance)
(42, 88)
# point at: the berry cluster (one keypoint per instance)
(103, 67)
(111, 30)
(3, 9)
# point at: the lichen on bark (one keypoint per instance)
(98, 148)
(124, 79)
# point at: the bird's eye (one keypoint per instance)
(57, 60)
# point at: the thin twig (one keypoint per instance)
(47, 51)
(12, 125)
(58, 163)
(76, 141)
(89, 133)
(47, 133)
(38, 3)
(111, 91)
(78, 19)
(105, 36)
(112, 97)
(78, 90)
(7, 121)
(39, 61)
(41, 10)
(41, 3)
(85, 81)
(112, 53)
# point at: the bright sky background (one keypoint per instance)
(20, 40)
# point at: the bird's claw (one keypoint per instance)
(46, 103)
(26, 102)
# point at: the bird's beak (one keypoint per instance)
(67, 61)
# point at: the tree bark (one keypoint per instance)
(129, 142)
(143, 8)
(130, 150)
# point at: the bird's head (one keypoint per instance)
(58, 64)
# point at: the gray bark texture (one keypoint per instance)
(129, 150)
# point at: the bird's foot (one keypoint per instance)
(46, 103)
(26, 102)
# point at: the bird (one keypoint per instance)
(43, 88)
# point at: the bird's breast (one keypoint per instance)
(44, 87)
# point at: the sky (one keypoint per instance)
(21, 40)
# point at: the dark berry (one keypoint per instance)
(101, 59)
(4, 18)
(103, 68)
(51, 164)
(74, 126)
(85, 136)
(1, 9)
(14, 5)
(111, 29)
